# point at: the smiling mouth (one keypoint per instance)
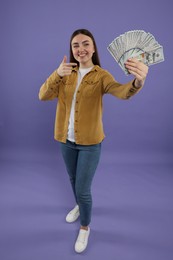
(82, 55)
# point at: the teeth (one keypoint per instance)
(82, 55)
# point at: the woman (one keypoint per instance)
(79, 87)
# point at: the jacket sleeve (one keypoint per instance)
(50, 88)
(122, 91)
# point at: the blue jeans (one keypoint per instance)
(81, 162)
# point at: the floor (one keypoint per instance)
(132, 208)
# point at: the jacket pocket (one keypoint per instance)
(68, 88)
(91, 88)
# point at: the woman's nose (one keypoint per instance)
(81, 47)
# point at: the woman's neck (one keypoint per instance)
(86, 65)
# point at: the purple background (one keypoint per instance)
(133, 205)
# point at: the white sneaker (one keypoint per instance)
(73, 215)
(82, 240)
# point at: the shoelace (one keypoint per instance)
(82, 236)
(74, 213)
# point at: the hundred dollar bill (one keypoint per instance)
(138, 44)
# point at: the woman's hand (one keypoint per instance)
(138, 69)
(65, 68)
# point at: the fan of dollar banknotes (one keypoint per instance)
(139, 44)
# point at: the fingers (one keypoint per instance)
(64, 59)
(65, 68)
(70, 64)
(137, 68)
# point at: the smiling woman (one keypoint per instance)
(78, 125)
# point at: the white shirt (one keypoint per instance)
(81, 73)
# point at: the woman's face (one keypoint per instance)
(83, 49)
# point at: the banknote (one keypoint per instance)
(139, 44)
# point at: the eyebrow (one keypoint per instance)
(78, 42)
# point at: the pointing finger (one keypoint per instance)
(71, 64)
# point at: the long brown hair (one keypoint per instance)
(95, 57)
